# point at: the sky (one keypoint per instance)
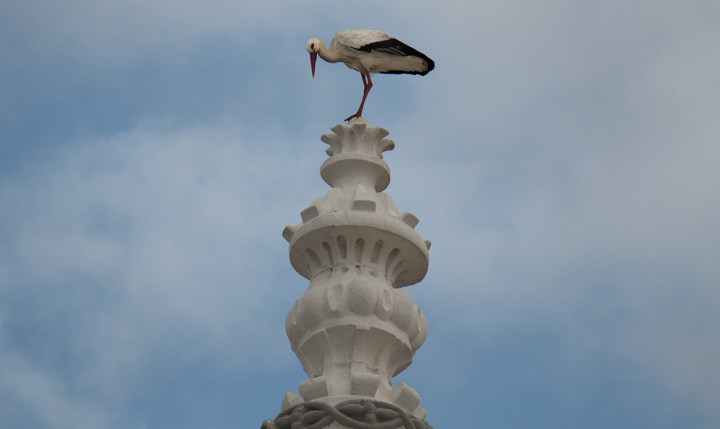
(562, 158)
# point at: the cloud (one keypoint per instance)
(115, 34)
(30, 388)
(561, 158)
(568, 187)
(121, 252)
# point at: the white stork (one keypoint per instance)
(369, 51)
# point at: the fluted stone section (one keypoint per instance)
(354, 328)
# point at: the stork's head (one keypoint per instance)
(313, 46)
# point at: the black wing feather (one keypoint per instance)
(395, 47)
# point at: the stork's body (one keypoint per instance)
(369, 51)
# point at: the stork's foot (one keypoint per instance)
(356, 115)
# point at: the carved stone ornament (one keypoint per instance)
(353, 414)
(354, 328)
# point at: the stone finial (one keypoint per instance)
(358, 176)
(354, 329)
(356, 156)
(357, 137)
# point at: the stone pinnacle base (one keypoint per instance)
(348, 414)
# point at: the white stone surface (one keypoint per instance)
(354, 328)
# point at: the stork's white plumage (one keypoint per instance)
(369, 51)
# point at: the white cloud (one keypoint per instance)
(136, 246)
(561, 158)
(48, 400)
(117, 33)
(568, 181)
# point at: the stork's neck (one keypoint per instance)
(327, 55)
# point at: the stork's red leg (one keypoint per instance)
(367, 84)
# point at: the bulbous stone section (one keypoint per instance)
(353, 333)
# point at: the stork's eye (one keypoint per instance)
(312, 46)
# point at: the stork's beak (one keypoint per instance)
(313, 58)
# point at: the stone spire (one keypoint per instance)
(354, 328)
